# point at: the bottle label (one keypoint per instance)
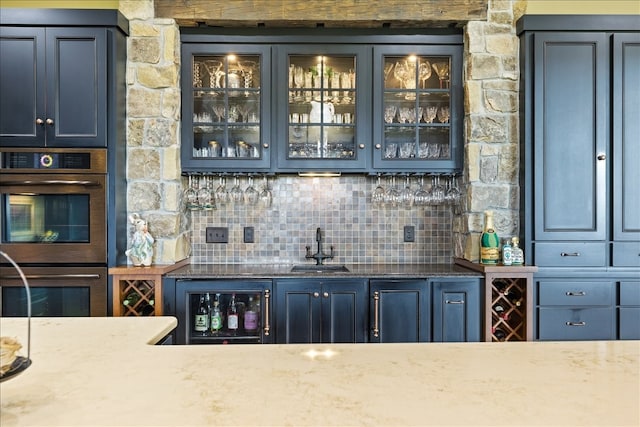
(200, 323)
(507, 258)
(232, 321)
(251, 320)
(216, 322)
(489, 255)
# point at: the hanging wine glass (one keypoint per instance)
(421, 195)
(438, 192)
(191, 195)
(236, 194)
(406, 195)
(221, 193)
(251, 195)
(266, 196)
(205, 195)
(377, 196)
(392, 195)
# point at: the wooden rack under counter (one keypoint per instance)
(146, 285)
(509, 289)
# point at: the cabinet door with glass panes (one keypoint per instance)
(417, 108)
(225, 111)
(322, 115)
(223, 311)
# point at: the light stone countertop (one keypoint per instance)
(102, 372)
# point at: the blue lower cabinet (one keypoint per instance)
(456, 310)
(400, 311)
(629, 310)
(594, 323)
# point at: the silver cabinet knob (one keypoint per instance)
(326, 294)
(265, 145)
(39, 121)
(361, 146)
(378, 146)
(602, 156)
(316, 294)
(49, 122)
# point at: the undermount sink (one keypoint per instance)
(319, 268)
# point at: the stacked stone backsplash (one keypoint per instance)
(359, 233)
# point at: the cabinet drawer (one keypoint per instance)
(576, 324)
(629, 323)
(626, 254)
(570, 254)
(578, 293)
(629, 293)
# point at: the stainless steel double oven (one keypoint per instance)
(53, 218)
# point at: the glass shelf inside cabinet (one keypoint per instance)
(321, 113)
(226, 107)
(416, 108)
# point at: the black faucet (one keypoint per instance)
(320, 255)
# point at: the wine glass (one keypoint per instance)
(388, 66)
(191, 195)
(424, 72)
(421, 195)
(377, 196)
(205, 195)
(430, 113)
(401, 73)
(266, 197)
(213, 67)
(390, 113)
(443, 114)
(298, 80)
(406, 195)
(236, 195)
(251, 195)
(438, 191)
(392, 196)
(442, 70)
(219, 110)
(221, 193)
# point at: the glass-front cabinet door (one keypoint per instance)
(225, 123)
(321, 118)
(417, 108)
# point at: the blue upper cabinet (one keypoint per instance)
(417, 108)
(292, 101)
(54, 87)
(226, 108)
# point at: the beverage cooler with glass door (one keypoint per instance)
(223, 311)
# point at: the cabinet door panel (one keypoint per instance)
(626, 254)
(571, 111)
(626, 143)
(76, 87)
(456, 310)
(576, 293)
(22, 85)
(403, 311)
(298, 308)
(629, 323)
(344, 313)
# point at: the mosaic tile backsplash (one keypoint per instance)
(359, 232)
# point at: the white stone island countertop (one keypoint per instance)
(103, 372)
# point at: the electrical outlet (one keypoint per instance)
(249, 235)
(217, 235)
(409, 233)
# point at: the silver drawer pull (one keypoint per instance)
(570, 254)
(576, 323)
(453, 302)
(576, 293)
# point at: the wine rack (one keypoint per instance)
(137, 291)
(508, 300)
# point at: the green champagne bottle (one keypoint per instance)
(489, 241)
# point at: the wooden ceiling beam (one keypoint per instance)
(327, 13)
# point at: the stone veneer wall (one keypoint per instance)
(359, 232)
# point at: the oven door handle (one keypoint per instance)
(83, 183)
(54, 276)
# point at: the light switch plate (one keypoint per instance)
(217, 235)
(409, 233)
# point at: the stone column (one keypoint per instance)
(153, 123)
(491, 74)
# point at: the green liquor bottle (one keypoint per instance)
(489, 241)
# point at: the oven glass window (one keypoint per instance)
(46, 301)
(36, 218)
